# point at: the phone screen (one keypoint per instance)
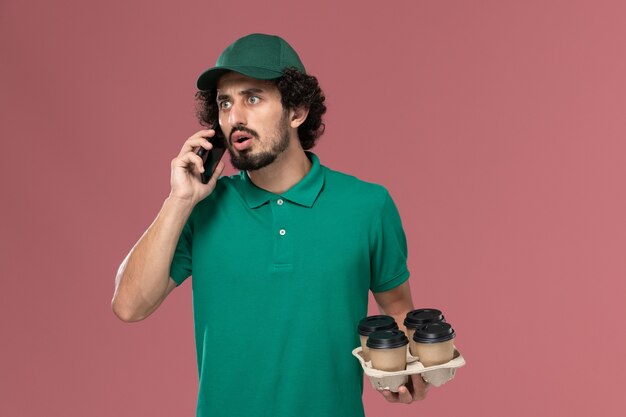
(212, 157)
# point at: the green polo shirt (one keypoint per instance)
(280, 282)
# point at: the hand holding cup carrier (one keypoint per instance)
(392, 354)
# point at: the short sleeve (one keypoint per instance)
(388, 248)
(180, 269)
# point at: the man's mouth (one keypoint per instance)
(241, 140)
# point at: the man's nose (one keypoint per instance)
(237, 115)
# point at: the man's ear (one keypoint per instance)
(297, 116)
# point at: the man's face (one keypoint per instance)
(252, 119)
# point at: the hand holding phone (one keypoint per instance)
(210, 158)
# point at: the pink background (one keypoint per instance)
(498, 127)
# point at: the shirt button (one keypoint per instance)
(282, 232)
(279, 202)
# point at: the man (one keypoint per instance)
(282, 255)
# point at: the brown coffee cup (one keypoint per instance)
(418, 318)
(373, 324)
(388, 350)
(433, 344)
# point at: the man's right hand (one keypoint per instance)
(187, 167)
(143, 280)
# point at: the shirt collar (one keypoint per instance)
(304, 193)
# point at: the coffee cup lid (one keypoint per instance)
(422, 316)
(387, 339)
(375, 323)
(434, 333)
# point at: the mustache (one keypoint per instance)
(242, 129)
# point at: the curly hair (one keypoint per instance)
(296, 89)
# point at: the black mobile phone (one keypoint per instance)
(212, 157)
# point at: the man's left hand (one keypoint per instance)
(415, 390)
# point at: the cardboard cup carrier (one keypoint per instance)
(436, 358)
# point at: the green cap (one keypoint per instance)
(259, 56)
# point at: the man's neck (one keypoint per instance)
(286, 171)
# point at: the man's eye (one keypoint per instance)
(225, 105)
(253, 100)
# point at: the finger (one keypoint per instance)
(420, 387)
(196, 140)
(391, 397)
(404, 395)
(189, 161)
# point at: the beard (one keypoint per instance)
(247, 161)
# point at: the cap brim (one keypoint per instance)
(208, 79)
